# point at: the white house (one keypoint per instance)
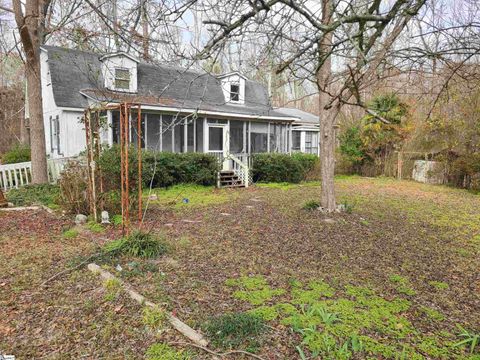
(182, 110)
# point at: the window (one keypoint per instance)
(234, 92)
(122, 79)
(236, 137)
(311, 142)
(55, 134)
(258, 138)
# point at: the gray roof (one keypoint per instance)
(77, 74)
(303, 116)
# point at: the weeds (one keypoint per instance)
(235, 329)
(469, 339)
(137, 244)
(112, 287)
(311, 205)
(70, 234)
(95, 227)
(154, 318)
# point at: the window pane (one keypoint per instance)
(153, 132)
(122, 84)
(167, 133)
(277, 137)
(236, 136)
(215, 138)
(258, 137)
(234, 92)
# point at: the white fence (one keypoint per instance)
(20, 174)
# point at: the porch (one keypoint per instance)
(231, 141)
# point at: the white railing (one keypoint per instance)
(241, 165)
(20, 174)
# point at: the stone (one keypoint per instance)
(105, 217)
(225, 214)
(80, 219)
(329, 221)
(153, 197)
(119, 267)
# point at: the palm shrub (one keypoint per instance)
(137, 244)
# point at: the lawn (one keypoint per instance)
(394, 277)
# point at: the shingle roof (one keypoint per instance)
(77, 73)
(303, 116)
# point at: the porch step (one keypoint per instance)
(229, 179)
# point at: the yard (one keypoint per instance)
(395, 276)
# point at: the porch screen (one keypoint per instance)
(153, 132)
(296, 140)
(258, 137)
(190, 135)
(311, 142)
(179, 134)
(134, 127)
(199, 135)
(277, 137)
(236, 137)
(167, 127)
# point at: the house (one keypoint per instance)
(304, 130)
(182, 110)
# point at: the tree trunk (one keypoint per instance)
(37, 129)
(327, 116)
(30, 26)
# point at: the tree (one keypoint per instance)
(338, 46)
(30, 19)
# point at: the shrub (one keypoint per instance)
(269, 167)
(137, 244)
(17, 154)
(235, 329)
(44, 194)
(73, 188)
(164, 168)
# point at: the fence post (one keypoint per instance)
(399, 165)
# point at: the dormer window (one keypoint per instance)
(122, 79)
(235, 92)
(233, 86)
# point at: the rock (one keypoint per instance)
(225, 214)
(118, 268)
(153, 197)
(250, 207)
(169, 224)
(329, 221)
(105, 217)
(80, 219)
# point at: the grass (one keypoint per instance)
(188, 195)
(234, 330)
(70, 234)
(45, 194)
(137, 244)
(154, 318)
(160, 351)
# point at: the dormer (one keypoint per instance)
(233, 86)
(120, 72)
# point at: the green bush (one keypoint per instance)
(270, 167)
(164, 168)
(17, 154)
(137, 244)
(311, 205)
(44, 194)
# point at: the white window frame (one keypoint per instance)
(115, 78)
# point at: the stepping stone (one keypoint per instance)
(169, 224)
(256, 200)
(250, 207)
(191, 221)
(329, 221)
(225, 214)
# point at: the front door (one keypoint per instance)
(218, 143)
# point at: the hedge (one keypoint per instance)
(164, 168)
(17, 154)
(272, 167)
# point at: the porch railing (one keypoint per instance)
(240, 164)
(20, 174)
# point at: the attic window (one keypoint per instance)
(234, 92)
(122, 79)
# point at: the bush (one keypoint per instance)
(44, 194)
(73, 188)
(269, 167)
(164, 168)
(17, 154)
(311, 205)
(235, 329)
(137, 244)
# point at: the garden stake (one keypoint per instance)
(139, 146)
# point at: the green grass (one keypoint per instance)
(44, 194)
(95, 227)
(196, 195)
(70, 234)
(234, 330)
(137, 244)
(161, 351)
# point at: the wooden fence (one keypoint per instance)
(20, 174)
